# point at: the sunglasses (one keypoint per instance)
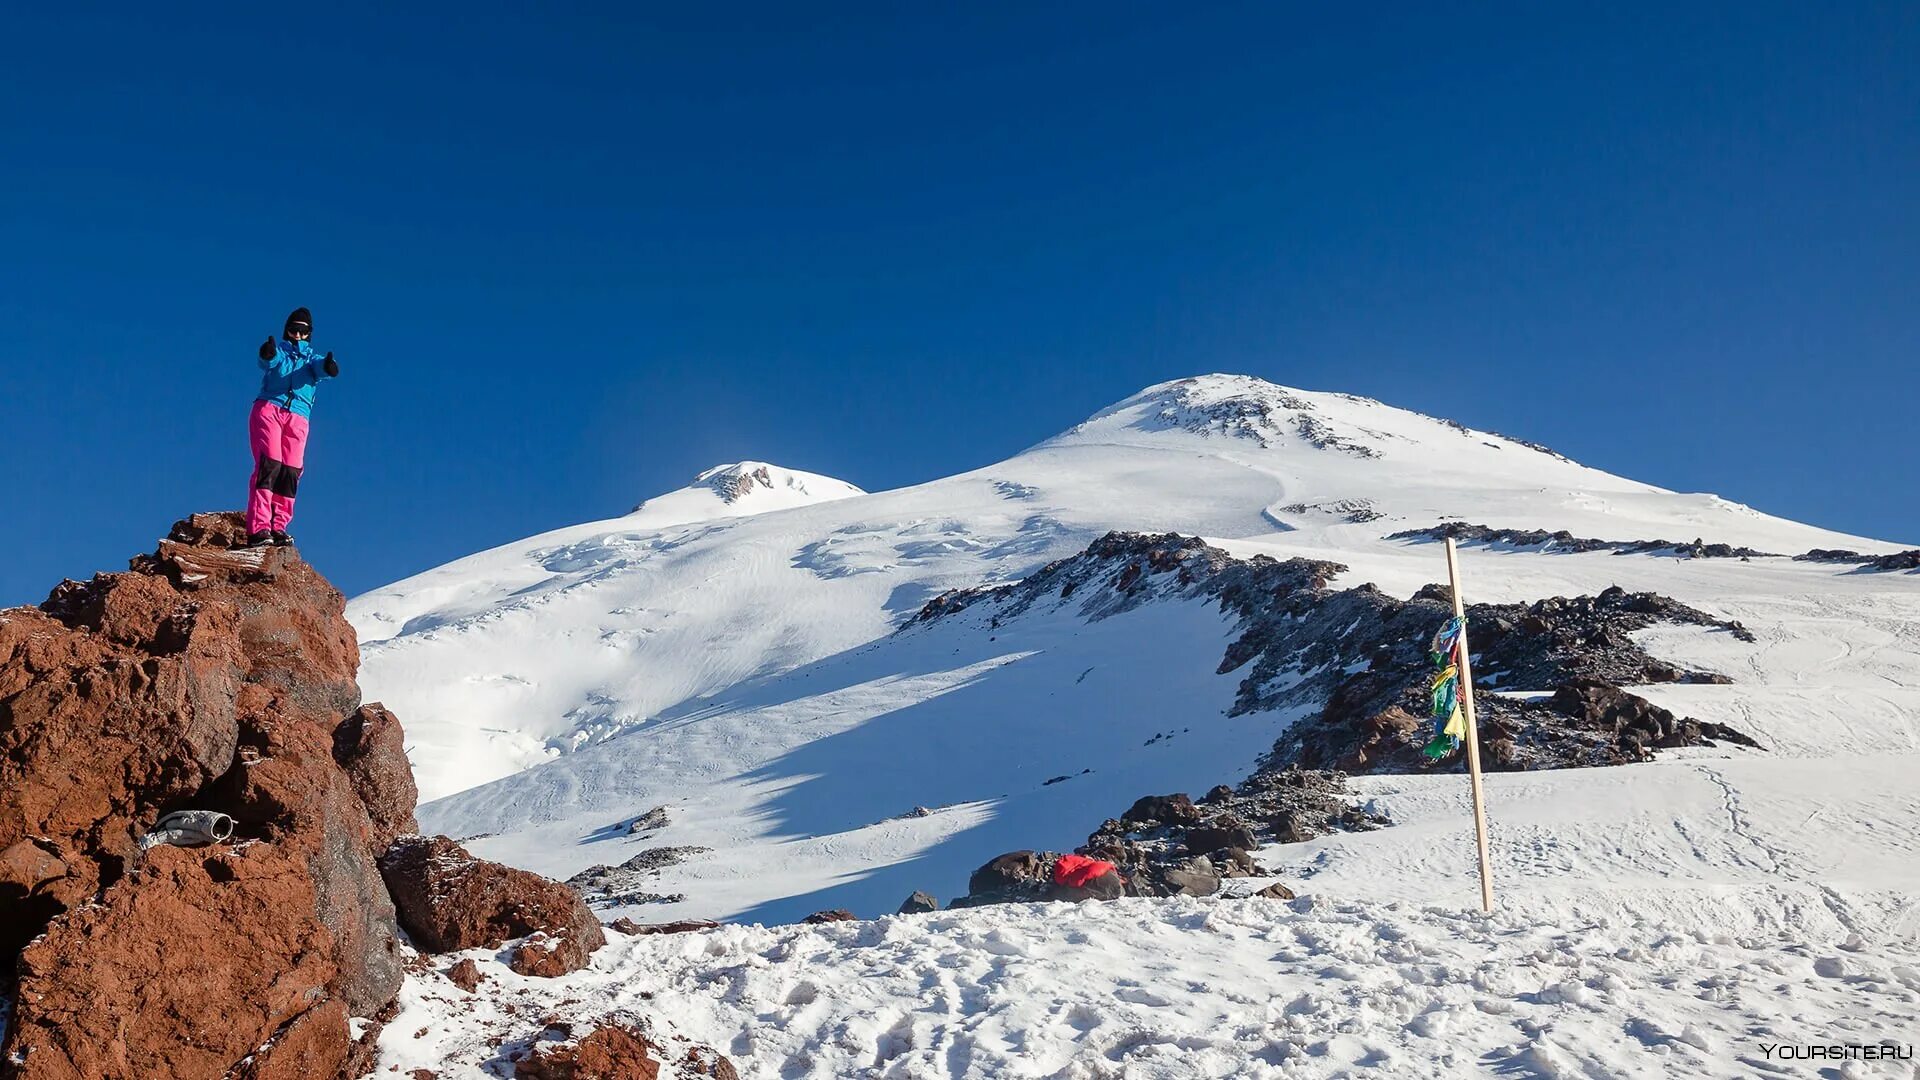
(298, 331)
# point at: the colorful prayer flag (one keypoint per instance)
(1449, 725)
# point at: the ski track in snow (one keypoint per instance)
(1661, 919)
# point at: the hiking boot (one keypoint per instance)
(281, 539)
(259, 539)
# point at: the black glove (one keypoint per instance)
(332, 369)
(266, 349)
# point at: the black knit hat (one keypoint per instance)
(301, 317)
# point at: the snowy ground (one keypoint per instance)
(1211, 988)
(1663, 919)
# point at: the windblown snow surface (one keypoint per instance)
(748, 671)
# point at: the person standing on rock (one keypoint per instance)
(290, 370)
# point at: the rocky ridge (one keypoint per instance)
(1899, 560)
(1565, 542)
(1354, 661)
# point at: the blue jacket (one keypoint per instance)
(288, 380)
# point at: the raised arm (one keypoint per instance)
(320, 367)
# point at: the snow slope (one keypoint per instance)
(745, 672)
(1206, 988)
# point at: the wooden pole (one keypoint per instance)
(1473, 733)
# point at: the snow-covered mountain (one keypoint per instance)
(742, 664)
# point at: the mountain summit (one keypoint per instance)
(738, 489)
(1270, 415)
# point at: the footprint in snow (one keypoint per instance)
(1140, 995)
(1083, 1018)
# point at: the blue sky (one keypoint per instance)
(569, 259)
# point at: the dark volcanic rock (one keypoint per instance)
(1016, 871)
(1160, 849)
(919, 904)
(650, 821)
(1372, 719)
(836, 915)
(1225, 831)
(1173, 809)
(1107, 886)
(1029, 876)
(1832, 555)
(1355, 511)
(1274, 806)
(1561, 541)
(613, 886)
(1899, 560)
(1634, 720)
(682, 926)
(1120, 571)
(1192, 877)
(1902, 560)
(449, 900)
(1017, 876)
(1565, 542)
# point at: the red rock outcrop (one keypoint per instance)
(706, 1061)
(210, 676)
(146, 984)
(114, 704)
(295, 797)
(371, 747)
(550, 956)
(308, 1047)
(606, 1053)
(205, 677)
(449, 900)
(465, 975)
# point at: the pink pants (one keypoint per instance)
(279, 441)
